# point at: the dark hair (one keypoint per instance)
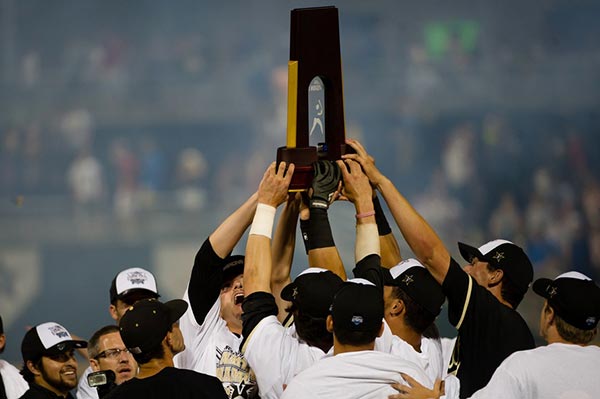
(312, 330)
(417, 317)
(510, 293)
(27, 374)
(93, 344)
(158, 352)
(570, 333)
(355, 338)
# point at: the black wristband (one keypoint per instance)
(304, 226)
(382, 224)
(319, 230)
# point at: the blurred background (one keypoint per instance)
(129, 130)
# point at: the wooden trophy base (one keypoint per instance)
(302, 158)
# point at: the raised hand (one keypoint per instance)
(325, 184)
(356, 183)
(273, 189)
(366, 161)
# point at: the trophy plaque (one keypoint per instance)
(315, 114)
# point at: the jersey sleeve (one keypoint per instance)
(505, 382)
(205, 282)
(255, 308)
(370, 269)
(458, 287)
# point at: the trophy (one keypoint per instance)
(315, 114)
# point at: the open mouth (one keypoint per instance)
(239, 298)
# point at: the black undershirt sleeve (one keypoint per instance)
(205, 282)
(370, 269)
(256, 307)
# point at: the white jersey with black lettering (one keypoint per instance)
(211, 348)
(276, 355)
(361, 375)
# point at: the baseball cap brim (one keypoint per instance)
(177, 308)
(540, 287)
(65, 346)
(469, 252)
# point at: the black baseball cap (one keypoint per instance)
(414, 279)
(48, 339)
(1, 326)
(133, 281)
(357, 306)
(574, 297)
(234, 266)
(504, 255)
(146, 323)
(312, 291)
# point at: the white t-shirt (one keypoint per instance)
(14, 384)
(84, 390)
(276, 355)
(211, 348)
(360, 375)
(430, 359)
(556, 371)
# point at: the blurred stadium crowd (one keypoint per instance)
(117, 113)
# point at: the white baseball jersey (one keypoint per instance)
(276, 355)
(430, 359)
(14, 384)
(360, 375)
(211, 348)
(84, 390)
(556, 371)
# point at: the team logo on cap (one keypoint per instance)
(408, 279)
(137, 277)
(58, 331)
(357, 320)
(295, 293)
(590, 321)
(499, 256)
(552, 291)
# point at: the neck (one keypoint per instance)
(235, 326)
(553, 337)
(496, 290)
(41, 382)
(154, 367)
(407, 334)
(344, 348)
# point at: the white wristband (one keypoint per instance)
(367, 241)
(262, 224)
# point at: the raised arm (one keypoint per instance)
(283, 245)
(390, 251)
(358, 191)
(421, 238)
(207, 273)
(325, 187)
(229, 233)
(271, 193)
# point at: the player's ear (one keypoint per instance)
(397, 308)
(94, 365)
(329, 323)
(112, 309)
(496, 277)
(33, 368)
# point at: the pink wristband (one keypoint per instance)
(365, 214)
